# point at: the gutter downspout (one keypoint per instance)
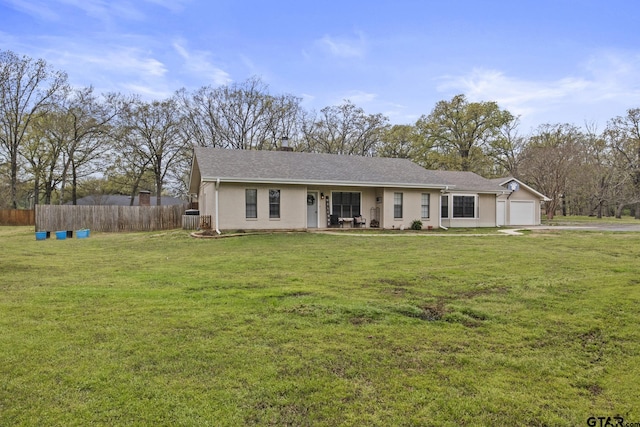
(217, 187)
(446, 188)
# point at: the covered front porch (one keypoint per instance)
(370, 207)
(347, 207)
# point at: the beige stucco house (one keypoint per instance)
(248, 189)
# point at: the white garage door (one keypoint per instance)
(522, 213)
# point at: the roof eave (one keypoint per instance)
(323, 183)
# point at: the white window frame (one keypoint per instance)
(427, 205)
(274, 204)
(246, 203)
(475, 206)
(401, 204)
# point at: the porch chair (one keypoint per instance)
(359, 221)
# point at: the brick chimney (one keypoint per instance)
(144, 198)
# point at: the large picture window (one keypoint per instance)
(444, 206)
(251, 203)
(397, 205)
(424, 206)
(464, 206)
(345, 205)
(274, 203)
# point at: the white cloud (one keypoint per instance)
(398, 112)
(307, 97)
(359, 97)
(117, 60)
(105, 11)
(174, 6)
(109, 67)
(344, 47)
(602, 88)
(37, 9)
(198, 62)
(147, 92)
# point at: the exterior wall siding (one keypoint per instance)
(485, 213)
(232, 212)
(411, 208)
(293, 207)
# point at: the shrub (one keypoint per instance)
(416, 224)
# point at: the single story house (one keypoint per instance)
(249, 189)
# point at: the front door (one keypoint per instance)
(312, 210)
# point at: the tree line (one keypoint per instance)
(59, 143)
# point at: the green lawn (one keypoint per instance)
(588, 220)
(310, 329)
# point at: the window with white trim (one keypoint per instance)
(464, 206)
(251, 203)
(274, 203)
(424, 205)
(397, 205)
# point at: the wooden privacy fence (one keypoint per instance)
(108, 218)
(196, 222)
(17, 217)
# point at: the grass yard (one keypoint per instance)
(588, 220)
(311, 329)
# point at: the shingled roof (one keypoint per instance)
(252, 166)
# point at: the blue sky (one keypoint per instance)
(549, 61)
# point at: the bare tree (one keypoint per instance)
(42, 150)
(240, 116)
(596, 182)
(623, 135)
(89, 121)
(506, 148)
(26, 87)
(153, 138)
(344, 129)
(549, 159)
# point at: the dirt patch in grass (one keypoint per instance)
(359, 320)
(595, 389)
(428, 312)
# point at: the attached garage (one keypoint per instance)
(519, 205)
(522, 212)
